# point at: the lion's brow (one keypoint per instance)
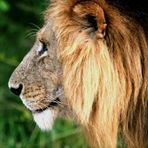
(40, 35)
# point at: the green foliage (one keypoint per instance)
(4, 6)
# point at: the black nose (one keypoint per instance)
(17, 91)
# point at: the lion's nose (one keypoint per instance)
(17, 91)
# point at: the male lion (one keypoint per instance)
(89, 62)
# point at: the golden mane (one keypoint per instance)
(105, 78)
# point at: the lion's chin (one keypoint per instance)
(45, 119)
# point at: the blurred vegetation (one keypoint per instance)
(19, 21)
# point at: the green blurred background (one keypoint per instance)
(19, 21)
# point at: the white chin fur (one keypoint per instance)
(45, 119)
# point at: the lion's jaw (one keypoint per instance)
(44, 117)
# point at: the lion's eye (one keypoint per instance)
(43, 49)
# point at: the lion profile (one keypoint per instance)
(89, 61)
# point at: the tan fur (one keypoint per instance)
(104, 73)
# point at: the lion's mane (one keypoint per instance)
(105, 79)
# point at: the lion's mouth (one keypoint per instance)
(52, 104)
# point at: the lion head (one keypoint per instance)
(89, 63)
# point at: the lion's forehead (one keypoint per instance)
(46, 32)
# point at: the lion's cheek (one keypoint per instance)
(45, 119)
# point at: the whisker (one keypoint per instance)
(36, 26)
(31, 33)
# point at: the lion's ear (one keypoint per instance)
(91, 16)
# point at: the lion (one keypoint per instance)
(89, 62)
